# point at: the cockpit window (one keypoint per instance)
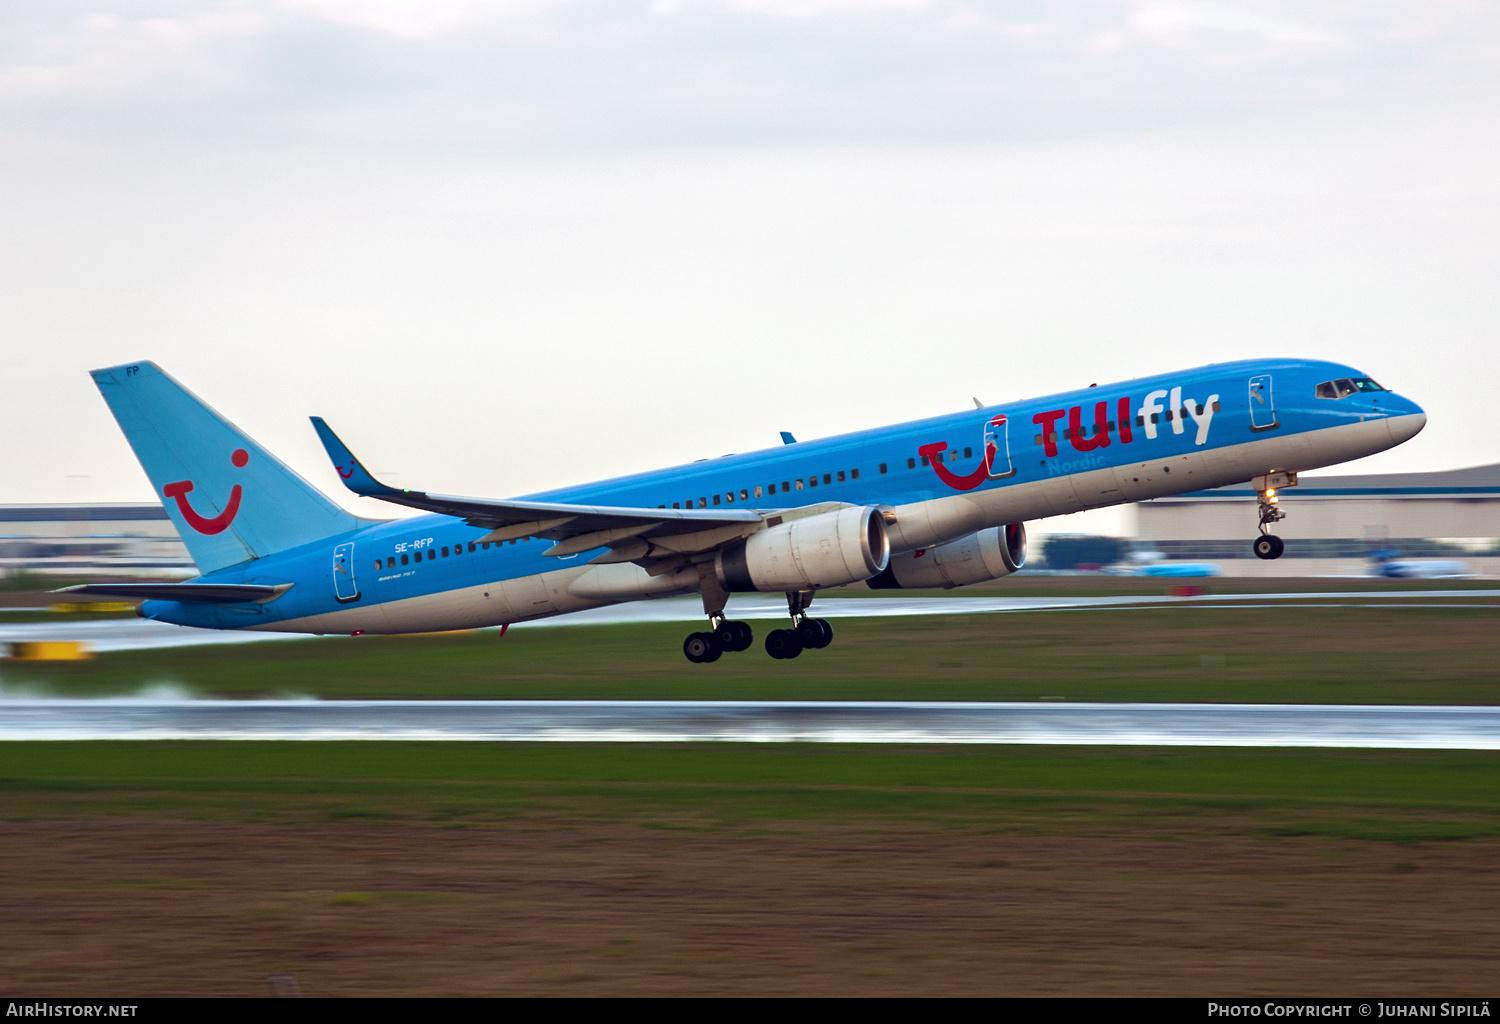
(1346, 386)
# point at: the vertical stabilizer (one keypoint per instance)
(230, 499)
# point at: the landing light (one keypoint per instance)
(1271, 496)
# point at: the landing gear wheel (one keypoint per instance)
(735, 636)
(782, 644)
(747, 636)
(815, 633)
(1269, 546)
(702, 647)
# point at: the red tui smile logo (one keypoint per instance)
(220, 522)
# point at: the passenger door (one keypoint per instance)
(344, 587)
(997, 447)
(1262, 407)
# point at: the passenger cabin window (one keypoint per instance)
(771, 489)
(728, 496)
(471, 547)
(716, 499)
(854, 473)
(703, 502)
(799, 485)
(445, 551)
(758, 493)
(882, 470)
(912, 463)
(676, 504)
(841, 476)
(377, 565)
(403, 559)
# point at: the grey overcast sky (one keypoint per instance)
(511, 245)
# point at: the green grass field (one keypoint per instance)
(471, 868)
(1178, 653)
(1367, 795)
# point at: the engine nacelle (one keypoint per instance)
(986, 555)
(826, 550)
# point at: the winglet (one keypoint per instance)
(354, 475)
(787, 438)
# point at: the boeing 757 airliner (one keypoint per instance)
(939, 502)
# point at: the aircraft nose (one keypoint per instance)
(1405, 426)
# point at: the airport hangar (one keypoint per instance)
(1332, 525)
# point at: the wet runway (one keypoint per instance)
(1219, 725)
(105, 635)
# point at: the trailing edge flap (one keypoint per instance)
(531, 518)
(210, 593)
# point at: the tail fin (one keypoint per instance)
(230, 499)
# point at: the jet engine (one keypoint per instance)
(986, 555)
(825, 550)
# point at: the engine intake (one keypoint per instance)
(826, 550)
(977, 558)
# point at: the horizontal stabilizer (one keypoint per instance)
(209, 593)
(532, 518)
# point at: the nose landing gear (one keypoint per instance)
(805, 634)
(1268, 545)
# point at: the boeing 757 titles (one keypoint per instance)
(939, 502)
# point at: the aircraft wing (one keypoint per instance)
(211, 593)
(633, 534)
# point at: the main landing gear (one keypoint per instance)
(1268, 545)
(805, 632)
(724, 636)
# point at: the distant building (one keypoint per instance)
(126, 539)
(1335, 523)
